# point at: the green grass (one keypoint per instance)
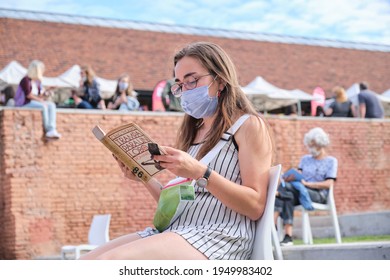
(365, 238)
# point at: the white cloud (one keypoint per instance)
(358, 20)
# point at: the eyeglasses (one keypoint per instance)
(190, 83)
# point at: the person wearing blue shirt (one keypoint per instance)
(318, 170)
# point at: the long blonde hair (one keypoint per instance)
(89, 73)
(341, 95)
(35, 70)
(130, 88)
(232, 99)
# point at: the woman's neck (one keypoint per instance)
(204, 129)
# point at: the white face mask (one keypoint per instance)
(197, 102)
(314, 152)
(123, 86)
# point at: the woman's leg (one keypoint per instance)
(95, 254)
(43, 107)
(163, 246)
(84, 105)
(51, 115)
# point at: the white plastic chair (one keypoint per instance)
(98, 235)
(266, 234)
(329, 206)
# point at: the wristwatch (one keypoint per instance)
(202, 181)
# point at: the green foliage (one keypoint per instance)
(350, 239)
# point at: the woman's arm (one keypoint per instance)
(352, 108)
(328, 112)
(255, 155)
(153, 186)
(102, 104)
(120, 99)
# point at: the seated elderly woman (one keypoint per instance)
(319, 171)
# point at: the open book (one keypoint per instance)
(130, 144)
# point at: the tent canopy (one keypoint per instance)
(266, 96)
(14, 72)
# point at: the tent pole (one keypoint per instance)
(299, 108)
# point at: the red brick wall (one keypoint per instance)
(50, 191)
(147, 56)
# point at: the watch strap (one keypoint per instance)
(207, 173)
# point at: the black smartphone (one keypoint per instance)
(154, 149)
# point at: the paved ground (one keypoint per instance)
(346, 251)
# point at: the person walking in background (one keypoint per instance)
(231, 191)
(369, 104)
(31, 94)
(89, 96)
(319, 171)
(124, 98)
(341, 107)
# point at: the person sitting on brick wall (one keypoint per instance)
(342, 107)
(88, 96)
(31, 94)
(124, 98)
(369, 104)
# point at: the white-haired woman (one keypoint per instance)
(319, 171)
(30, 94)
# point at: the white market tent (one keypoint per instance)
(386, 93)
(266, 96)
(385, 98)
(14, 72)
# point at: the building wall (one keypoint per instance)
(147, 56)
(49, 191)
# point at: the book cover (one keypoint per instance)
(130, 144)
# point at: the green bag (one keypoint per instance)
(173, 198)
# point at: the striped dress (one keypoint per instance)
(208, 225)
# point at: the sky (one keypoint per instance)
(362, 21)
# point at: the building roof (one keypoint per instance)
(145, 51)
(188, 30)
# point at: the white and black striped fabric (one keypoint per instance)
(208, 225)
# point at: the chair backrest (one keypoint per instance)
(99, 230)
(330, 199)
(262, 246)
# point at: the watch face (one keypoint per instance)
(201, 182)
